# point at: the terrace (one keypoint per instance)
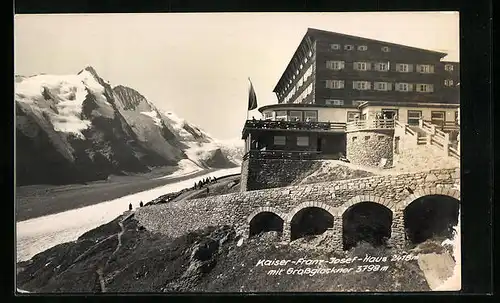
(370, 124)
(282, 154)
(293, 126)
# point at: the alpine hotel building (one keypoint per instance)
(335, 82)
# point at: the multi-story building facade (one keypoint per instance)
(340, 71)
(334, 79)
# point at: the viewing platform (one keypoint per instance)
(294, 126)
(370, 124)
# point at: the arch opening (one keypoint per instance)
(265, 222)
(366, 222)
(431, 217)
(310, 221)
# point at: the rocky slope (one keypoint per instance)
(125, 257)
(77, 128)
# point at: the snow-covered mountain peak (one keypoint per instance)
(118, 131)
(186, 130)
(61, 98)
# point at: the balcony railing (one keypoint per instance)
(370, 124)
(295, 125)
(282, 154)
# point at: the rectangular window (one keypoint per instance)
(425, 88)
(382, 86)
(448, 82)
(362, 47)
(335, 84)
(268, 115)
(351, 116)
(295, 115)
(448, 67)
(361, 66)
(437, 115)
(279, 140)
(334, 102)
(311, 116)
(281, 115)
(425, 68)
(438, 118)
(335, 65)
(302, 141)
(382, 66)
(414, 116)
(335, 46)
(361, 85)
(403, 87)
(456, 116)
(348, 47)
(403, 68)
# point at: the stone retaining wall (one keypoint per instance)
(271, 173)
(368, 147)
(175, 219)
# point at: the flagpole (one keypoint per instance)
(249, 87)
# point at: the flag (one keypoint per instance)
(252, 98)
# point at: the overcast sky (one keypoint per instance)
(197, 65)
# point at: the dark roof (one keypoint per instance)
(312, 33)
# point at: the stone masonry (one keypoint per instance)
(272, 173)
(368, 147)
(238, 209)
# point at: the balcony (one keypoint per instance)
(370, 124)
(294, 126)
(282, 154)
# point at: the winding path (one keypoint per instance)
(100, 271)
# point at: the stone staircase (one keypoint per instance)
(427, 133)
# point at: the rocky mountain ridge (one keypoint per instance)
(77, 128)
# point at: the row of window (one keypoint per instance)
(413, 116)
(381, 66)
(381, 86)
(304, 94)
(385, 49)
(297, 72)
(292, 115)
(350, 47)
(299, 84)
(281, 140)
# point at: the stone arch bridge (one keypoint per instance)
(390, 207)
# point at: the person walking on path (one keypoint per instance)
(140, 204)
(130, 206)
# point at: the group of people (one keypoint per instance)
(130, 205)
(385, 116)
(204, 181)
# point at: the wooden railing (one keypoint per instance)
(370, 124)
(295, 125)
(450, 126)
(407, 128)
(282, 154)
(440, 138)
